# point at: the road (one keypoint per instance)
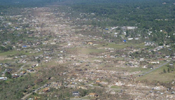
(21, 68)
(155, 68)
(25, 97)
(34, 91)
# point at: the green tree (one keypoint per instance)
(8, 75)
(164, 70)
(168, 70)
(38, 60)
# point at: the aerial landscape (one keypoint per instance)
(87, 50)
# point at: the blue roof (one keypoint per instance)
(24, 46)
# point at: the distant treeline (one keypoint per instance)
(155, 14)
(24, 3)
(114, 1)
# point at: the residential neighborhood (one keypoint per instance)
(55, 57)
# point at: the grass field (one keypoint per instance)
(116, 87)
(159, 75)
(15, 52)
(10, 53)
(85, 50)
(122, 45)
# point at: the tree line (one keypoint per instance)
(155, 14)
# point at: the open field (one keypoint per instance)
(159, 75)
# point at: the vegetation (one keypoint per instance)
(14, 88)
(41, 63)
(162, 75)
(8, 75)
(145, 14)
(150, 15)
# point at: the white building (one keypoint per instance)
(3, 78)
